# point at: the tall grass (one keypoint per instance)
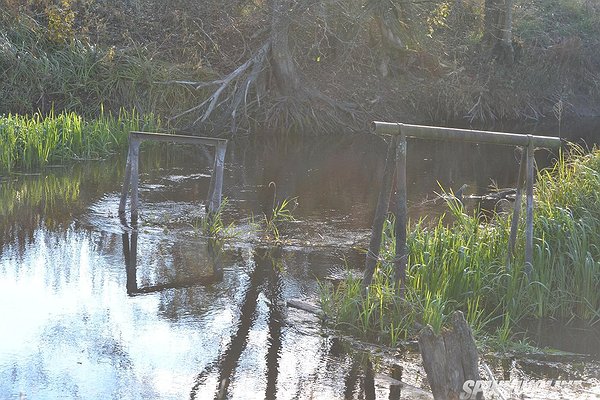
(34, 141)
(459, 263)
(37, 73)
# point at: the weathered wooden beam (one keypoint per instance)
(380, 214)
(464, 135)
(216, 182)
(529, 222)
(132, 168)
(401, 217)
(514, 226)
(183, 139)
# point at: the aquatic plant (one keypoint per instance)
(458, 263)
(213, 226)
(282, 212)
(37, 140)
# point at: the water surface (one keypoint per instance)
(93, 309)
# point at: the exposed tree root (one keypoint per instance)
(307, 110)
(237, 85)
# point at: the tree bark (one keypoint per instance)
(284, 68)
(498, 29)
(449, 358)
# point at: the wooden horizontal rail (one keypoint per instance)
(166, 137)
(132, 168)
(465, 135)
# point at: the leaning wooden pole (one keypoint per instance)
(529, 224)
(514, 227)
(401, 217)
(216, 186)
(380, 214)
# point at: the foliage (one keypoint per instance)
(43, 69)
(34, 141)
(213, 226)
(281, 213)
(77, 55)
(460, 264)
(61, 19)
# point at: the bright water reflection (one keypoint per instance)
(91, 309)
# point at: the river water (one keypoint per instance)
(91, 309)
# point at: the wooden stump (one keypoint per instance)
(450, 358)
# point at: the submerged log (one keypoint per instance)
(449, 358)
(304, 306)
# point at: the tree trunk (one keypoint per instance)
(507, 50)
(450, 358)
(284, 69)
(498, 29)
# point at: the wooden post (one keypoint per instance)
(529, 226)
(380, 214)
(401, 217)
(210, 207)
(126, 180)
(516, 210)
(132, 168)
(449, 358)
(135, 154)
(216, 181)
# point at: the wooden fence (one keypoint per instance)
(132, 168)
(396, 165)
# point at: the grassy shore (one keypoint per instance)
(34, 141)
(460, 263)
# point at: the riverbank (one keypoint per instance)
(169, 61)
(459, 263)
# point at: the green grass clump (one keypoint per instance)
(459, 264)
(34, 141)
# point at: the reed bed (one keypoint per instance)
(34, 141)
(460, 263)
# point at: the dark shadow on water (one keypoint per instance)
(266, 279)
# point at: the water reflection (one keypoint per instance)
(205, 265)
(266, 279)
(51, 199)
(95, 310)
